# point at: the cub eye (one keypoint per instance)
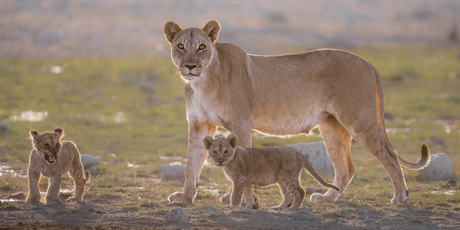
(47, 145)
(226, 151)
(201, 47)
(215, 152)
(180, 46)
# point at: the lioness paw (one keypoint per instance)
(178, 196)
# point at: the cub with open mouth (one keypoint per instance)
(52, 158)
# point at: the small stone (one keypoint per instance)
(344, 213)
(52, 203)
(439, 168)
(5, 128)
(403, 211)
(89, 162)
(173, 172)
(339, 223)
(176, 215)
(452, 214)
(385, 227)
(112, 162)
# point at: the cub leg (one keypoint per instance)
(237, 191)
(338, 144)
(248, 195)
(77, 174)
(297, 193)
(287, 197)
(244, 140)
(34, 191)
(54, 188)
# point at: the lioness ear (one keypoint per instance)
(33, 133)
(170, 29)
(212, 29)
(59, 131)
(207, 141)
(232, 139)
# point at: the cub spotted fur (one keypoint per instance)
(261, 166)
(52, 158)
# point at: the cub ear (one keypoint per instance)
(212, 29)
(207, 141)
(33, 133)
(232, 139)
(59, 131)
(170, 29)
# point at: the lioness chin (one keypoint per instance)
(334, 90)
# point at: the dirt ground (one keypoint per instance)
(104, 214)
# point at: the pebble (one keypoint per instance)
(403, 211)
(176, 215)
(385, 227)
(344, 213)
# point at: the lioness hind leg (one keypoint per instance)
(374, 141)
(338, 144)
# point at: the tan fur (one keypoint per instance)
(334, 90)
(67, 159)
(246, 167)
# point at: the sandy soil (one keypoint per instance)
(105, 214)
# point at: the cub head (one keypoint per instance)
(221, 150)
(48, 144)
(192, 48)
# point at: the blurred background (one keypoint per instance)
(120, 28)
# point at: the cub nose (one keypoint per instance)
(220, 161)
(190, 66)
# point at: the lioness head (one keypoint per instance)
(221, 150)
(191, 49)
(48, 144)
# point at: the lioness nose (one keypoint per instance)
(190, 66)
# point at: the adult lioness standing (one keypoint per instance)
(282, 95)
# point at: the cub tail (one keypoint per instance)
(87, 177)
(312, 171)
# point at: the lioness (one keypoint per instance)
(261, 166)
(53, 158)
(282, 95)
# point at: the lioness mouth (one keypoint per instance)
(50, 158)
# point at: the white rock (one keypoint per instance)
(89, 162)
(403, 211)
(173, 172)
(318, 157)
(176, 215)
(440, 168)
(344, 213)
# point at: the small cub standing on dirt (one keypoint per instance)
(53, 158)
(261, 166)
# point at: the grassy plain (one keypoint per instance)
(132, 111)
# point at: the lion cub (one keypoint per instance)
(53, 158)
(261, 166)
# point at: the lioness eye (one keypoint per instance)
(180, 46)
(201, 47)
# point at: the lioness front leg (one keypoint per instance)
(54, 188)
(34, 191)
(196, 156)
